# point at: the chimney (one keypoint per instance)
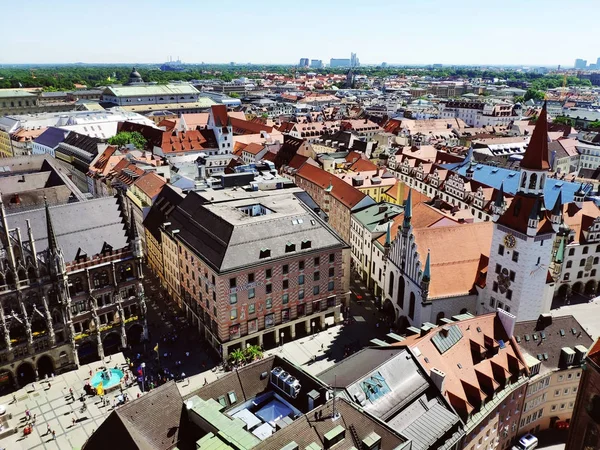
(544, 320)
(438, 377)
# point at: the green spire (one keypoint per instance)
(560, 253)
(408, 209)
(427, 272)
(388, 235)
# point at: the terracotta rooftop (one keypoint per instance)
(150, 184)
(477, 357)
(536, 155)
(345, 193)
(219, 113)
(577, 218)
(254, 148)
(456, 253)
(184, 141)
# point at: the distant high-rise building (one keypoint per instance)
(580, 63)
(339, 62)
(316, 63)
(354, 62)
(303, 62)
(384, 64)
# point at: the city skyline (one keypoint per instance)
(443, 38)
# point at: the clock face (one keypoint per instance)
(510, 241)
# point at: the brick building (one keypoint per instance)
(256, 267)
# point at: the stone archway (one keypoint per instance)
(577, 288)
(389, 311)
(111, 343)
(45, 366)
(7, 382)
(590, 287)
(563, 291)
(25, 373)
(87, 352)
(134, 334)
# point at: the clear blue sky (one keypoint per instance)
(545, 32)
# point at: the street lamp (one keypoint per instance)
(313, 328)
(281, 341)
(143, 385)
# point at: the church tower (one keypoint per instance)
(522, 240)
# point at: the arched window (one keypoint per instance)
(31, 274)
(440, 316)
(391, 285)
(78, 285)
(532, 181)
(523, 180)
(400, 296)
(542, 180)
(411, 306)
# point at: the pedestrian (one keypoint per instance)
(71, 391)
(73, 420)
(48, 429)
(53, 434)
(27, 414)
(14, 399)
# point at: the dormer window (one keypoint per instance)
(306, 244)
(290, 247)
(264, 253)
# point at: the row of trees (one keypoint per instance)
(65, 77)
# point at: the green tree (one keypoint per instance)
(564, 121)
(252, 353)
(595, 124)
(533, 94)
(125, 137)
(237, 357)
(519, 99)
(234, 95)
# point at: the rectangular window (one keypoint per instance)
(285, 284)
(509, 294)
(317, 261)
(317, 276)
(251, 308)
(498, 268)
(269, 288)
(515, 256)
(495, 286)
(285, 269)
(269, 303)
(301, 294)
(300, 265)
(501, 249)
(316, 290)
(232, 282)
(251, 278)
(331, 286)
(233, 314)
(300, 280)
(268, 273)
(232, 299)
(331, 271)
(251, 293)
(332, 257)
(512, 275)
(285, 298)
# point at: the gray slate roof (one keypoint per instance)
(52, 137)
(86, 225)
(227, 238)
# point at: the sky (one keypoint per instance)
(507, 32)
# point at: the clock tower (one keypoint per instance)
(518, 279)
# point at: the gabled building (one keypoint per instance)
(478, 367)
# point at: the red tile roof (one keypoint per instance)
(363, 165)
(516, 216)
(254, 148)
(246, 127)
(346, 194)
(150, 184)
(184, 141)
(536, 155)
(219, 113)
